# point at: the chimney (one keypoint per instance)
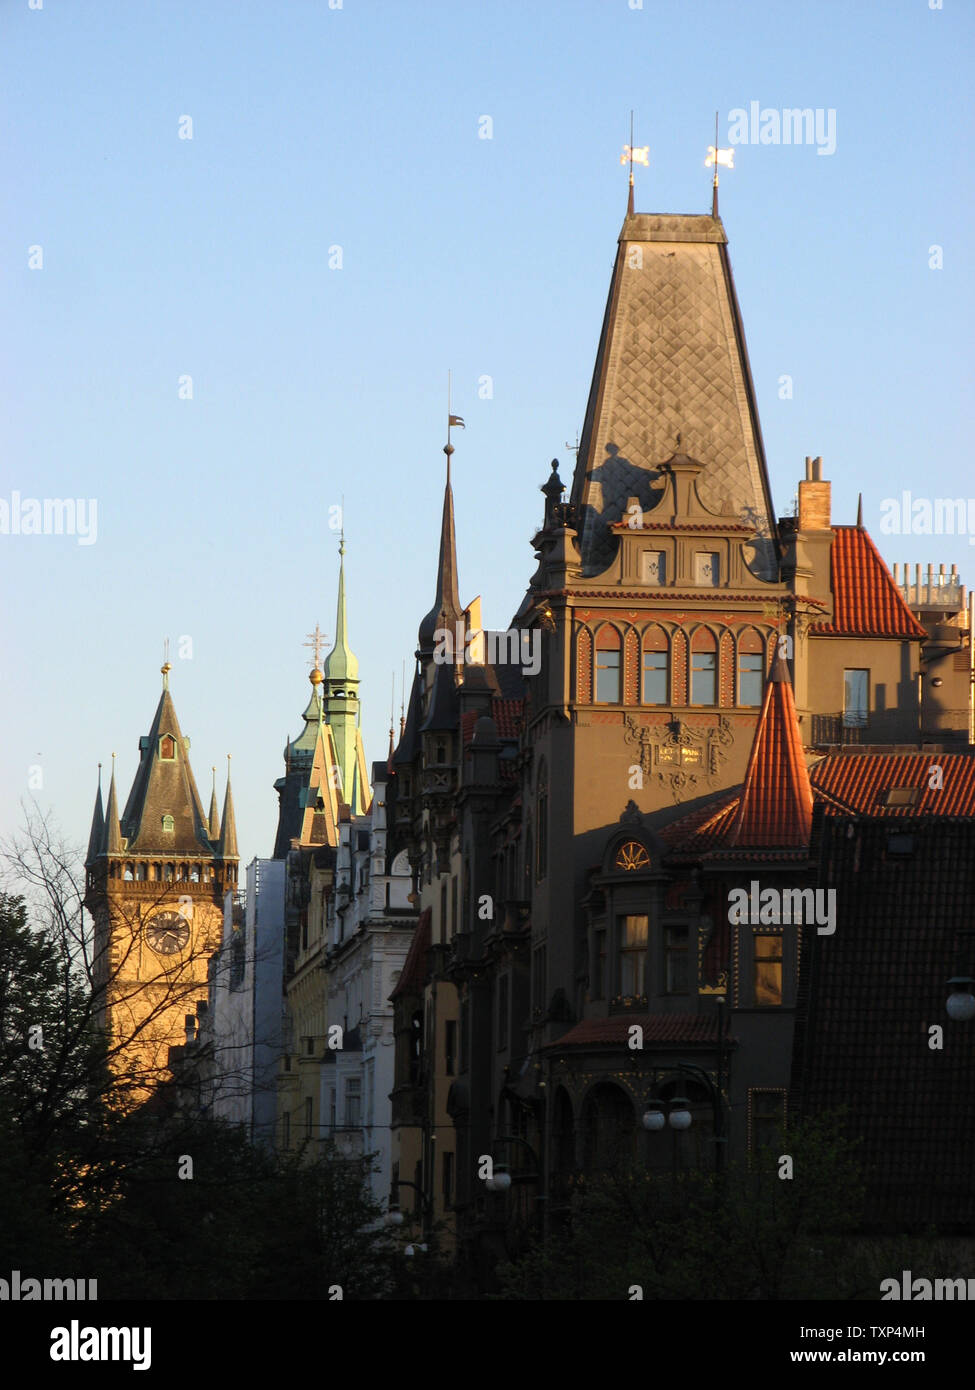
(814, 498)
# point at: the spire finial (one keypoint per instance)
(629, 155)
(316, 640)
(860, 511)
(99, 776)
(451, 420)
(213, 769)
(715, 157)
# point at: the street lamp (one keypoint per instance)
(499, 1181)
(961, 1001)
(680, 1115)
(654, 1118)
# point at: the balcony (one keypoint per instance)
(832, 731)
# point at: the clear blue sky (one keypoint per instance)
(358, 127)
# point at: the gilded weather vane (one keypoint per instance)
(634, 154)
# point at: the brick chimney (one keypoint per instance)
(814, 498)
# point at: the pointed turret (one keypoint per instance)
(227, 843)
(341, 664)
(775, 810)
(97, 834)
(113, 832)
(671, 366)
(214, 818)
(446, 610)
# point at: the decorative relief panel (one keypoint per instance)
(584, 667)
(678, 756)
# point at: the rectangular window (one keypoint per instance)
(750, 678)
(675, 947)
(353, 1102)
(704, 677)
(502, 1012)
(767, 948)
(654, 678)
(608, 677)
(632, 954)
(855, 698)
(448, 1177)
(654, 567)
(766, 1118)
(599, 964)
(450, 1045)
(707, 567)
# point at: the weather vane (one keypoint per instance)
(717, 157)
(634, 154)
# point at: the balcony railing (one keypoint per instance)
(832, 729)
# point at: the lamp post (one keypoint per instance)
(394, 1217)
(960, 1003)
(680, 1117)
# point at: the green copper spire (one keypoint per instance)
(341, 665)
(340, 705)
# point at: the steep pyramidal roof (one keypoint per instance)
(97, 834)
(227, 843)
(164, 786)
(671, 373)
(446, 606)
(775, 810)
(112, 843)
(866, 601)
(214, 817)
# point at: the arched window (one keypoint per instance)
(608, 666)
(167, 748)
(129, 874)
(704, 668)
(656, 685)
(168, 824)
(751, 659)
(168, 873)
(631, 856)
(609, 1126)
(195, 874)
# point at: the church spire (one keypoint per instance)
(341, 665)
(227, 843)
(113, 832)
(446, 608)
(214, 818)
(97, 825)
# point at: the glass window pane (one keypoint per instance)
(654, 678)
(855, 698)
(608, 677)
(703, 678)
(749, 678)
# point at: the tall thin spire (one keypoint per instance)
(213, 817)
(227, 843)
(446, 608)
(113, 831)
(97, 824)
(341, 665)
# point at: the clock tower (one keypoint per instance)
(156, 878)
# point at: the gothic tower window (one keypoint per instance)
(655, 667)
(704, 664)
(608, 666)
(168, 824)
(167, 748)
(751, 660)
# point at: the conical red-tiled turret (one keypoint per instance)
(775, 810)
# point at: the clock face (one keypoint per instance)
(167, 933)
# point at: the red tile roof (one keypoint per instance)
(414, 975)
(507, 716)
(866, 601)
(857, 782)
(775, 809)
(657, 1028)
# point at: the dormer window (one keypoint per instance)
(167, 748)
(168, 824)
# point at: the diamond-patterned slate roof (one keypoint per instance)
(671, 361)
(414, 974)
(866, 601)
